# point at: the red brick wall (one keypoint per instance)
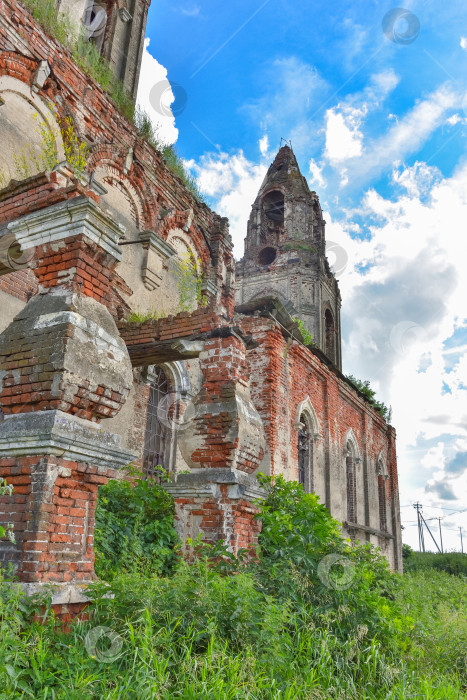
(52, 509)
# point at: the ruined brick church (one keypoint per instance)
(214, 393)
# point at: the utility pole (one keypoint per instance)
(462, 544)
(440, 535)
(431, 534)
(421, 541)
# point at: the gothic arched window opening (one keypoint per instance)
(350, 463)
(305, 455)
(159, 433)
(383, 524)
(272, 221)
(330, 335)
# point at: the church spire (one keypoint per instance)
(285, 253)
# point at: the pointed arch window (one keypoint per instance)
(352, 458)
(305, 454)
(158, 440)
(330, 335)
(383, 476)
(383, 523)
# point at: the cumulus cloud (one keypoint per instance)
(232, 181)
(155, 97)
(464, 43)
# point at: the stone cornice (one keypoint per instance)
(75, 217)
(63, 435)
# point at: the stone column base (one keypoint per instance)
(218, 504)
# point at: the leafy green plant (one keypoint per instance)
(190, 282)
(134, 529)
(307, 336)
(6, 490)
(169, 153)
(364, 388)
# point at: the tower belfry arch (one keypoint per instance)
(285, 250)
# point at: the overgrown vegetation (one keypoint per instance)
(142, 316)
(451, 562)
(134, 529)
(87, 56)
(369, 393)
(29, 161)
(286, 625)
(306, 335)
(190, 282)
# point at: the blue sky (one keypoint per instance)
(375, 104)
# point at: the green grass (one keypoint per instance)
(91, 62)
(142, 316)
(226, 628)
(201, 634)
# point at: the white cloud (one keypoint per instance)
(464, 43)
(454, 119)
(343, 136)
(397, 316)
(417, 180)
(233, 182)
(155, 97)
(193, 11)
(264, 145)
(316, 174)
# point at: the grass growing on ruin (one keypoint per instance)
(91, 62)
(276, 628)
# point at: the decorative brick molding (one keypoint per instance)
(217, 504)
(56, 463)
(157, 252)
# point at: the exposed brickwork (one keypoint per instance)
(53, 508)
(37, 192)
(218, 518)
(21, 284)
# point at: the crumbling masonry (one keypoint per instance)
(215, 393)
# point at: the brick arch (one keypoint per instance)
(20, 136)
(17, 66)
(134, 182)
(182, 220)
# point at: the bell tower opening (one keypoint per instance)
(272, 220)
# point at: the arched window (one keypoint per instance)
(383, 524)
(330, 335)
(305, 454)
(159, 432)
(383, 476)
(351, 477)
(272, 220)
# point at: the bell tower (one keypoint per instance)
(285, 254)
